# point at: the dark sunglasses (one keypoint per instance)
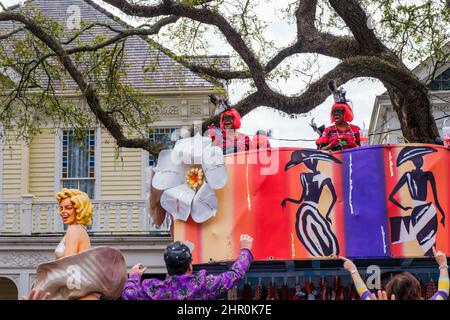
(338, 111)
(228, 118)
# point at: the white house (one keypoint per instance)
(30, 175)
(384, 123)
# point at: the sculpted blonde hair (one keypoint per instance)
(81, 202)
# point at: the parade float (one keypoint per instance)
(385, 201)
(383, 206)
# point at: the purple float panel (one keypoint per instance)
(365, 222)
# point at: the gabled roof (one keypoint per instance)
(431, 68)
(146, 68)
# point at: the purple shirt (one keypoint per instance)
(198, 286)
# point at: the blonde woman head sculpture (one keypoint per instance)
(75, 207)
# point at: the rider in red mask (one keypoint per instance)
(341, 135)
(227, 137)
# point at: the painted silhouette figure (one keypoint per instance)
(422, 225)
(313, 230)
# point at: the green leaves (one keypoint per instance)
(40, 96)
(414, 30)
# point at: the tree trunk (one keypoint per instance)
(414, 111)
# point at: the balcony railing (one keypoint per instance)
(112, 217)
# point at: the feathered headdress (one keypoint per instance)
(220, 103)
(340, 101)
(338, 93)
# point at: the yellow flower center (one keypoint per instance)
(194, 178)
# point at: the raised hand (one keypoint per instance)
(440, 257)
(246, 242)
(37, 295)
(137, 269)
(348, 264)
(381, 295)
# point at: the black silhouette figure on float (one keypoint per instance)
(313, 230)
(422, 225)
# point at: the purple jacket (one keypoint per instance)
(198, 286)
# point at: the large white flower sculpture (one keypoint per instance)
(189, 174)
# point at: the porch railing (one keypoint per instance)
(29, 216)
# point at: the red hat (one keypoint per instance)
(348, 112)
(236, 118)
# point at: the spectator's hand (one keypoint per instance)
(246, 242)
(348, 264)
(440, 257)
(381, 295)
(37, 295)
(137, 269)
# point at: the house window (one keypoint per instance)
(442, 82)
(78, 161)
(163, 136)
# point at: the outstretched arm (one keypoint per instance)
(283, 203)
(134, 290)
(363, 292)
(436, 200)
(443, 285)
(361, 287)
(216, 285)
(302, 180)
(396, 188)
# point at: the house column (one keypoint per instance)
(27, 211)
(24, 284)
(25, 157)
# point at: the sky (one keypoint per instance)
(362, 92)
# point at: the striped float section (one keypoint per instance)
(251, 203)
